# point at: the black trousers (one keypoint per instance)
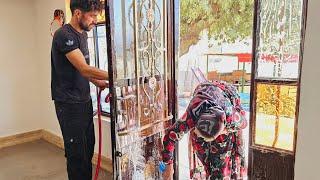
(76, 123)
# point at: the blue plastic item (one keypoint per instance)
(162, 167)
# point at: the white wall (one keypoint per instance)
(43, 16)
(19, 70)
(308, 147)
(25, 69)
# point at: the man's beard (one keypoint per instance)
(83, 26)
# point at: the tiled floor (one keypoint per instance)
(35, 161)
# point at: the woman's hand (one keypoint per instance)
(168, 173)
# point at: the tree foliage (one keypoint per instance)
(280, 26)
(268, 102)
(225, 20)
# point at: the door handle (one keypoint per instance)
(118, 154)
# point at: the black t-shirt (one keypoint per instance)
(67, 84)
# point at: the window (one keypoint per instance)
(278, 39)
(98, 57)
(277, 74)
(275, 115)
(93, 89)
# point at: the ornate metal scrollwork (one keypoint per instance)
(149, 49)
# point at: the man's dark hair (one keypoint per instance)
(86, 5)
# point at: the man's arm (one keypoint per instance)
(78, 61)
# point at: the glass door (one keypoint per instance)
(140, 70)
(279, 36)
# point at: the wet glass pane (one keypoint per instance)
(144, 21)
(279, 43)
(275, 116)
(124, 39)
(141, 159)
(124, 46)
(142, 100)
(151, 59)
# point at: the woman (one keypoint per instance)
(216, 119)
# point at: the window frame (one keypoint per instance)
(97, 59)
(255, 80)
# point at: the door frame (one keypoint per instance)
(109, 24)
(173, 47)
(172, 55)
(254, 82)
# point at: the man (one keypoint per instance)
(70, 75)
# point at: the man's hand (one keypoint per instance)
(168, 173)
(100, 83)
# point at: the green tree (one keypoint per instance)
(225, 20)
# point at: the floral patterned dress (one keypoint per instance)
(216, 119)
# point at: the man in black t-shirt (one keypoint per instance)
(71, 73)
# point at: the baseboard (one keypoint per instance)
(106, 163)
(20, 138)
(52, 138)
